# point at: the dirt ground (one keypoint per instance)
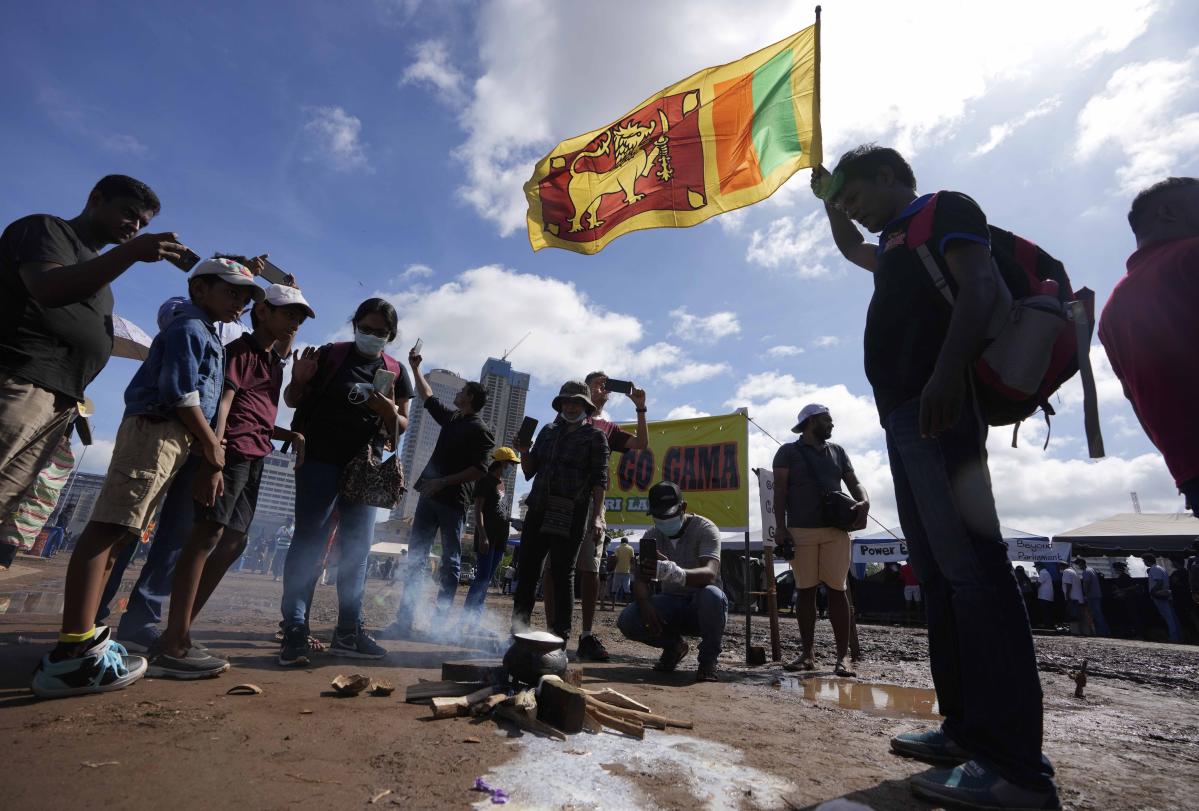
(761, 740)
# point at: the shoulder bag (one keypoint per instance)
(367, 479)
(836, 507)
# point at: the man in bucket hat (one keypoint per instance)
(569, 467)
(692, 601)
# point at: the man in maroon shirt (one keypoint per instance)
(1150, 328)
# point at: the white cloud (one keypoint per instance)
(1000, 132)
(570, 334)
(416, 271)
(520, 105)
(685, 412)
(784, 351)
(704, 329)
(94, 458)
(433, 69)
(694, 372)
(1139, 120)
(826, 341)
(801, 247)
(334, 139)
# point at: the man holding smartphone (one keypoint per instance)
(591, 551)
(682, 554)
(56, 320)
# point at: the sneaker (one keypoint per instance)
(706, 672)
(356, 644)
(397, 630)
(671, 657)
(931, 746)
(971, 785)
(294, 650)
(101, 668)
(592, 650)
(195, 664)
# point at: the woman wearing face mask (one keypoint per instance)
(569, 467)
(341, 412)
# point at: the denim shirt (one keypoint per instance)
(185, 367)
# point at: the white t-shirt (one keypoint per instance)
(1158, 579)
(1045, 586)
(1072, 585)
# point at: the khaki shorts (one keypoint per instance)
(33, 421)
(147, 455)
(821, 556)
(589, 558)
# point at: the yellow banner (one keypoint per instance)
(723, 138)
(708, 457)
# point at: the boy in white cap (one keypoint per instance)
(226, 499)
(169, 404)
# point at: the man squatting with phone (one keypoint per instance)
(591, 551)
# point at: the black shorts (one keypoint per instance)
(235, 509)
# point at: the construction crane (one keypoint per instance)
(1136, 502)
(508, 352)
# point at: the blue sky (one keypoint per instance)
(380, 147)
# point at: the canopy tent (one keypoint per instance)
(888, 546)
(129, 340)
(1135, 534)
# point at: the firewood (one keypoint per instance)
(590, 724)
(488, 704)
(617, 699)
(561, 705)
(423, 691)
(647, 718)
(631, 728)
(447, 707)
(486, 670)
(528, 722)
(574, 675)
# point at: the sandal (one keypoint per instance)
(671, 657)
(800, 663)
(844, 672)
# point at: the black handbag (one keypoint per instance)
(836, 507)
(367, 479)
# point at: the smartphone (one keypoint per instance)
(186, 261)
(384, 379)
(524, 436)
(416, 347)
(649, 556)
(624, 387)
(273, 273)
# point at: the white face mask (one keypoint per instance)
(582, 415)
(370, 345)
(669, 526)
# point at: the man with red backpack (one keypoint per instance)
(920, 354)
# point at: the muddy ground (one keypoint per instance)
(1133, 742)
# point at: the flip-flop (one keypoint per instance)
(844, 672)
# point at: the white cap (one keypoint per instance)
(229, 271)
(810, 410)
(280, 295)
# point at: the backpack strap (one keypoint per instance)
(919, 233)
(1081, 316)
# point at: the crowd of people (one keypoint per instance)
(200, 417)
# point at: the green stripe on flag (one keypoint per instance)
(775, 134)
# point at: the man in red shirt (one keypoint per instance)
(912, 601)
(1150, 329)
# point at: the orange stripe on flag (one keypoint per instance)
(732, 125)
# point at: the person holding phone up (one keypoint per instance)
(340, 411)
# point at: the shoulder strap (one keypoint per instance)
(333, 357)
(391, 364)
(919, 233)
(811, 468)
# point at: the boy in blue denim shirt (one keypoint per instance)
(169, 404)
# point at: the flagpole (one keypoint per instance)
(817, 138)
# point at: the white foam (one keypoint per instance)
(546, 775)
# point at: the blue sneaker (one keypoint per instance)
(931, 746)
(103, 667)
(972, 785)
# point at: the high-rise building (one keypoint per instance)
(276, 493)
(77, 500)
(421, 436)
(507, 391)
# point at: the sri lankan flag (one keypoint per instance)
(723, 138)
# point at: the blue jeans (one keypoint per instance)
(980, 646)
(432, 515)
(1166, 609)
(485, 567)
(144, 612)
(317, 497)
(701, 613)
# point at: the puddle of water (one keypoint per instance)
(31, 602)
(887, 700)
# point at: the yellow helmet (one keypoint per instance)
(505, 455)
